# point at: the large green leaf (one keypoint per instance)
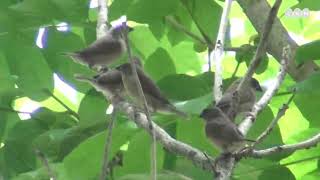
(203, 13)
(311, 5)
(308, 52)
(184, 87)
(92, 108)
(302, 168)
(91, 152)
(137, 158)
(18, 150)
(61, 42)
(159, 64)
(32, 70)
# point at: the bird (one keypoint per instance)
(222, 131)
(104, 51)
(109, 83)
(233, 104)
(156, 101)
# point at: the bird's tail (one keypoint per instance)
(83, 78)
(173, 109)
(70, 54)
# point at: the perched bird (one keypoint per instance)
(232, 104)
(222, 131)
(109, 83)
(104, 50)
(156, 101)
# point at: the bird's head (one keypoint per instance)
(209, 114)
(254, 83)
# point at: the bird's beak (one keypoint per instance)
(259, 88)
(130, 29)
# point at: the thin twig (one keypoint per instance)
(261, 49)
(313, 141)
(235, 70)
(218, 51)
(164, 138)
(141, 94)
(246, 124)
(274, 122)
(194, 36)
(45, 162)
(76, 115)
(102, 18)
(107, 147)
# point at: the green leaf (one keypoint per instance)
(314, 175)
(311, 5)
(309, 85)
(32, 70)
(184, 87)
(61, 42)
(91, 152)
(300, 169)
(18, 150)
(262, 122)
(261, 169)
(185, 58)
(167, 175)
(245, 53)
(202, 13)
(159, 64)
(92, 107)
(308, 52)
(139, 145)
(138, 37)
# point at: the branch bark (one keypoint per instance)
(313, 141)
(102, 18)
(218, 51)
(165, 139)
(257, 12)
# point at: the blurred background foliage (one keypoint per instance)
(69, 118)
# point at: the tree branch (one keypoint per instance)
(261, 49)
(45, 162)
(313, 141)
(73, 113)
(218, 51)
(102, 18)
(194, 36)
(257, 12)
(165, 139)
(107, 147)
(246, 124)
(274, 122)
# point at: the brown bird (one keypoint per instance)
(222, 131)
(156, 101)
(109, 83)
(103, 51)
(232, 104)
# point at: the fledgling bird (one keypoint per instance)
(222, 131)
(109, 83)
(104, 50)
(233, 105)
(156, 101)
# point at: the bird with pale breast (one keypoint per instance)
(156, 101)
(222, 131)
(104, 50)
(233, 104)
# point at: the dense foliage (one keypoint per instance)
(73, 138)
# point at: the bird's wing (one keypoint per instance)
(110, 77)
(148, 85)
(104, 45)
